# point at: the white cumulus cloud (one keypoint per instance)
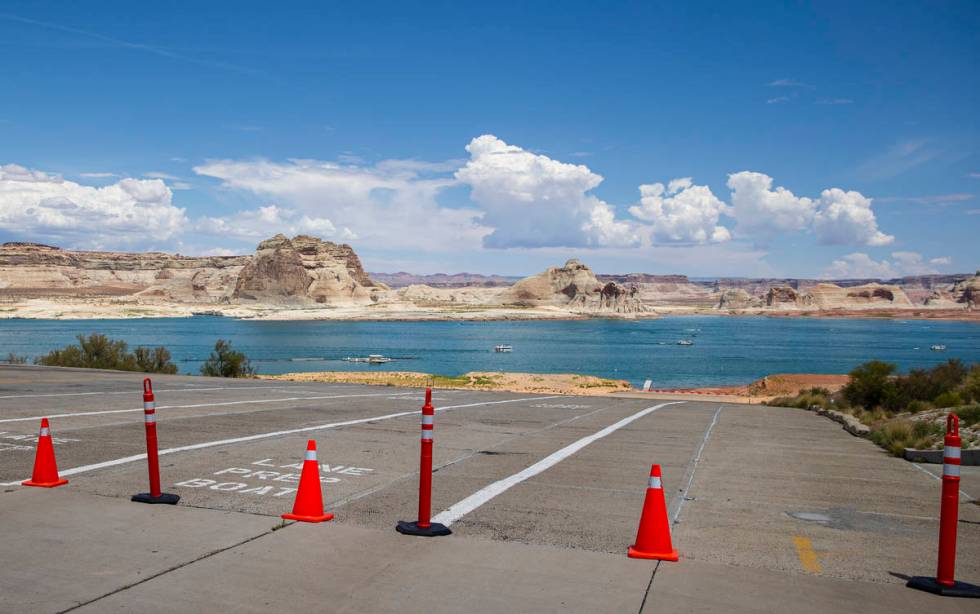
(838, 217)
(861, 266)
(681, 212)
(391, 205)
(846, 218)
(531, 200)
(762, 211)
(130, 213)
(261, 223)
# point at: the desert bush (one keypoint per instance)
(897, 435)
(947, 399)
(155, 360)
(969, 415)
(915, 406)
(971, 385)
(16, 359)
(226, 362)
(100, 352)
(870, 384)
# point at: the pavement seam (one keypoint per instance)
(939, 479)
(646, 594)
(693, 467)
(169, 570)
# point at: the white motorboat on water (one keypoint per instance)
(373, 359)
(938, 347)
(503, 348)
(685, 342)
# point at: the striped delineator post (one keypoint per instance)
(152, 460)
(944, 582)
(424, 525)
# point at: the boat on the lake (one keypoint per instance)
(938, 347)
(685, 342)
(503, 348)
(373, 359)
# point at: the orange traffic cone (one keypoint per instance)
(309, 497)
(45, 467)
(653, 536)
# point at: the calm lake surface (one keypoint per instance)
(726, 350)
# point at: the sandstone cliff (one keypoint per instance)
(575, 287)
(303, 270)
(298, 271)
(826, 296)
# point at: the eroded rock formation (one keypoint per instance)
(574, 286)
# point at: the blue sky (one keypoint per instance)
(835, 139)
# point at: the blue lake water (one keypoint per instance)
(726, 350)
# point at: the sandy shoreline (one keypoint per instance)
(46, 309)
(761, 390)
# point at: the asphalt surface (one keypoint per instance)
(773, 509)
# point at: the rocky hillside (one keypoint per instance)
(574, 286)
(302, 270)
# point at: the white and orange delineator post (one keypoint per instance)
(152, 459)
(424, 525)
(944, 584)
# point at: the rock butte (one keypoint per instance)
(308, 278)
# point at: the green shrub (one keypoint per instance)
(947, 399)
(916, 406)
(870, 384)
(156, 360)
(897, 435)
(226, 362)
(968, 415)
(100, 352)
(971, 385)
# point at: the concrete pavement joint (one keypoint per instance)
(693, 466)
(168, 570)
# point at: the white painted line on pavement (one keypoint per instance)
(939, 479)
(467, 505)
(694, 466)
(82, 394)
(222, 442)
(220, 404)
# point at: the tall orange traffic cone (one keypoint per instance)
(653, 536)
(309, 497)
(45, 467)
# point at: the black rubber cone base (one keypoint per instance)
(165, 498)
(959, 589)
(412, 528)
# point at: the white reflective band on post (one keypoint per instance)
(654, 482)
(45, 432)
(311, 455)
(150, 418)
(427, 419)
(148, 405)
(427, 435)
(951, 470)
(951, 452)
